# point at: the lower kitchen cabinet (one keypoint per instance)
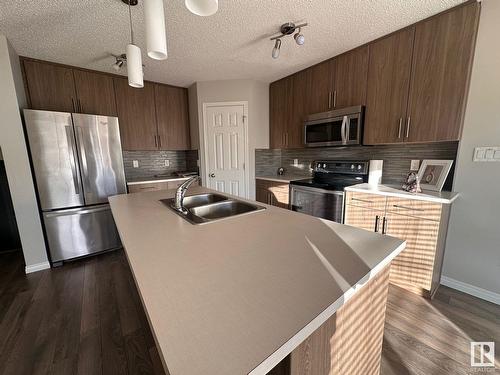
(272, 193)
(155, 186)
(422, 224)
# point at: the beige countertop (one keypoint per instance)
(445, 197)
(238, 295)
(282, 178)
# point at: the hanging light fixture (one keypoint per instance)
(156, 36)
(134, 58)
(202, 7)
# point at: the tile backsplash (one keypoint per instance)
(153, 162)
(397, 158)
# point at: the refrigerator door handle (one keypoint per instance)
(81, 146)
(77, 211)
(72, 159)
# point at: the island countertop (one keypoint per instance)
(237, 295)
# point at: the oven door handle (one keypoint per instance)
(343, 130)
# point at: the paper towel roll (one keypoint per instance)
(375, 172)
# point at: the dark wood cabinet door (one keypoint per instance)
(172, 117)
(95, 93)
(136, 115)
(320, 87)
(294, 134)
(50, 87)
(442, 60)
(280, 106)
(388, 84)
(351, 72)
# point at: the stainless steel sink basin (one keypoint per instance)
(223, 209)
(207, 208)
(202, 199)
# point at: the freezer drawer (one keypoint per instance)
(76, 232)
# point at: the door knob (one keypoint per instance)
(211, 175)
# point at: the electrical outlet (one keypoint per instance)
(415, 165)
(167, 163)
(135, 163)
(295, 162)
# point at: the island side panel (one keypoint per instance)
(350, 342)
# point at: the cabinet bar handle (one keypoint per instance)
(156, 142)
(376, 223)
(384, 225)
(286, 138)
(361, 200)
(329, 99)
(400, 126)
(408, 208)
(408, 127)
(159, 141)
(334, 98)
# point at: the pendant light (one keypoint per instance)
(156, 36)
(134, 59)
(202, 7)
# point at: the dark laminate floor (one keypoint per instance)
(86, 318)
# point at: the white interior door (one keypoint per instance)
(225, 148)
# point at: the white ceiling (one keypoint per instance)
(232, 44)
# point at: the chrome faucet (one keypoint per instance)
(181, 192)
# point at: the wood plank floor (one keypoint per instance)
(86, 318)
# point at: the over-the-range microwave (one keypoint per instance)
(341, 127)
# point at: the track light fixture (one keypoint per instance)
(119, 61)
(288, 29)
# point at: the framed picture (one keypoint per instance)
(432, 174)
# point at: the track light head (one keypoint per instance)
(299, 38)
(276, 49)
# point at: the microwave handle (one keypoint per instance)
(343, 130)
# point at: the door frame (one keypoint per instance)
(204, 145)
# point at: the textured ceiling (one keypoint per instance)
(232, 44)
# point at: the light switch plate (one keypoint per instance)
(487, 154)
(415, 165)
(167, 163)
(135, 163)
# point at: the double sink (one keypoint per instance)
(209, 207)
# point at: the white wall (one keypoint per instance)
(255, 93)
(473, 243)
(16, 159)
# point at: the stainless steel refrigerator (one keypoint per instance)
(77, 161)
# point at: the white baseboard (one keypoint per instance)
(471, 289)
(37, 267)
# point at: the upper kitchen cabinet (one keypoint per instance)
(172, 117)
(320, 87)
(350, 76)
(136, 115)
(280, 107)
(95, 93)
(294, 135)
(49, 87)
(442, 61)
(388, 84)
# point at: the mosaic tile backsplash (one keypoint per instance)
(396, 158)
(153, 163)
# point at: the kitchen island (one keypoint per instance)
(240, 295)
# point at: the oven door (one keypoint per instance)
(335, 131)
(326, 204)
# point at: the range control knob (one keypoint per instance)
(352, 166)
(359, 167)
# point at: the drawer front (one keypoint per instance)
(414, 208)
(366, 200)
(154, 186)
